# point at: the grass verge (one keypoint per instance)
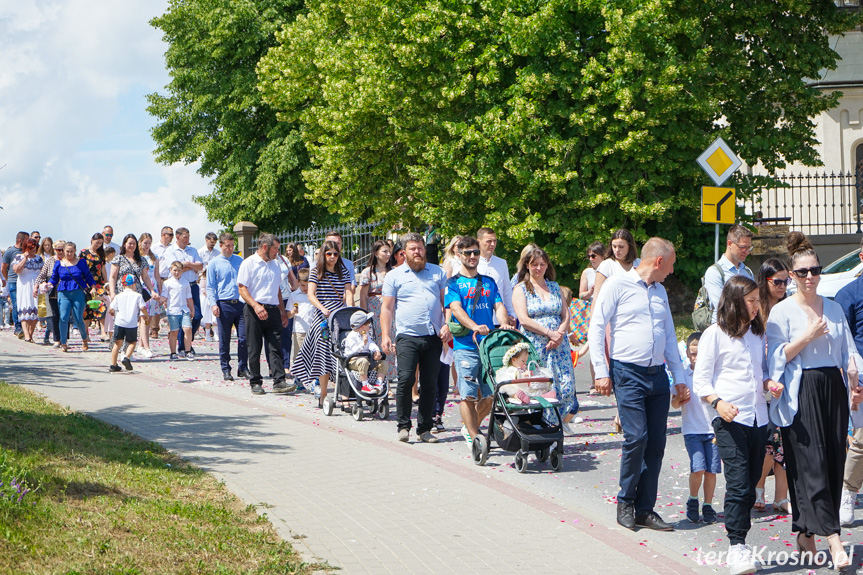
(81, 496)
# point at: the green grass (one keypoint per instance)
(80, 496)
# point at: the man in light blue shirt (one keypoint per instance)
(415, 294)
(738, 245)
(635, 306)
(223, 297)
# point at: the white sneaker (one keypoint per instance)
(740, 560)
(846, 507)
(145, 353)
(577, 419)
(466, 435)
(568, 431)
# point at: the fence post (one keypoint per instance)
(245, 232)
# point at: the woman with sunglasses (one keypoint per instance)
(811, 351)
(330, 289)
(773, 282)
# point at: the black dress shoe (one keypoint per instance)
(652, 520)
(257, 389)
(245, 374)
(226, 375)
(626, 515)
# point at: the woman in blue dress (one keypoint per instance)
(544, 320)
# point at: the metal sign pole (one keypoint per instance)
(716, 245)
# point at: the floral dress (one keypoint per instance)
(95, 262)
(154, 308)
(375, 301)
(558, 360)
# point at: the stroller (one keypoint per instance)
(517, 427)
(348, 388)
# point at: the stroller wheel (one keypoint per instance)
(556, 461)
(358, 411)
(520, 461)
(479, 449)
(329, 404)
(384, 409)
(542, 454)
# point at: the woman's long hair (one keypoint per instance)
(321, 264)
(631, 253)
(294, 256)
(136, 255)
(732, 316)
(770, 267)
(529, 257)
(101, 250)
(46, 248)
(146, 236)
(373, 260)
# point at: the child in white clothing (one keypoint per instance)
(125, 309)
(304, 313)
(358, 342)
(515, 367)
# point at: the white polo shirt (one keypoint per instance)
(262, 279)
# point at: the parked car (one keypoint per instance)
(839, 273)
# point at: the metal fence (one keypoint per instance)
(813, 203)
(357, 240)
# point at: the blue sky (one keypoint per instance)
(74, 131)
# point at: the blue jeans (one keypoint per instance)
(231, 315)
(196, 319)
(13, 295)
(642, 401)
(72, 302)
(469, 371)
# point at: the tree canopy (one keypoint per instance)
(214, 114)
(555, 121)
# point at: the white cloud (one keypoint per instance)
(73, 137)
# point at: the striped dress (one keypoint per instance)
(315, 358)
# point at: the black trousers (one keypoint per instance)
(423, 351)
(259, 331)
(814, 446)
(741, 448)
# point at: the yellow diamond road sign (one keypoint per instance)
(717, 205)
(718, 161)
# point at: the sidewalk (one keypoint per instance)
(341, 491)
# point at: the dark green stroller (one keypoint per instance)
(516, 427)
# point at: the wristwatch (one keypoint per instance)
(715, 402)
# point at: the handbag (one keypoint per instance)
(457, 329)
(145, 294)
(42, 309)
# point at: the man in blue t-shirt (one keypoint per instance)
(474, 301)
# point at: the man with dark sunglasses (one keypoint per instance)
(850, 298)
(108, 234)
(738, 244)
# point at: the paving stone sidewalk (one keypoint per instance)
(344, 492)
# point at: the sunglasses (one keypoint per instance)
(779, 282)
(167, 234)
(816, 271)
(470, 253)
(592, 256)
(108, 235)
(743, 248)
(331, 254)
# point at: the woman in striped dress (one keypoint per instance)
(330, 289)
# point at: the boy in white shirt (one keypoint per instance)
(177, 307)
(304, 313)
(358, 342)
(704, 460)
(125, 309)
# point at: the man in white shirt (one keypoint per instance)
(494, 267)
(165, 240)
(208, 251)
(635, 306)
(336, 237)
(182, 252)
(738, 245)
(108, 234)
(265, 316)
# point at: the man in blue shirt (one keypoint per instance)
(850, 298)
(414, 293)
(635, 306)
(223, 296)
(738, 245)
(474, 301)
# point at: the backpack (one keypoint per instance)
(702, 313)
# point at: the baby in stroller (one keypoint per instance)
(515, 367)
(357, 342)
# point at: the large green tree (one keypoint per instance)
(214, 114)
(553, 121)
